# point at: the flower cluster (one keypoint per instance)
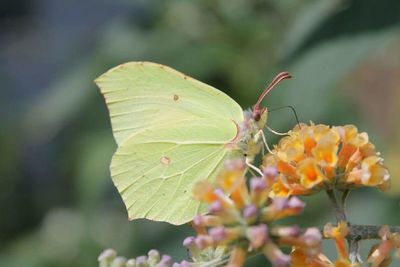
(109, 258)
(240, 218)
(314, 157)
(380, 253)
(242, 212)
(338, 234)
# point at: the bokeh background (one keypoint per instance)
(58, 206)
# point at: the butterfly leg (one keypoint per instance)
(275, 132)
(252, 167)
(261, 133)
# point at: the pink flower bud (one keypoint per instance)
(234, 164)
(312, 236)
(282, 261)
(215, 207)
(166, 260)
(250, 211)
(270, 171)
(182, 264)
(141, 261)
(276, 256)
(153, 257)
(219, 192)
(257, 184)
(198, 220)
(203, 241)
(257, 235)
(189, 241)
(296, 203)
(107, 255)
(289, 231)
(279, 203)
(217, 233)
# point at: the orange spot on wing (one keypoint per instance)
(165, 160)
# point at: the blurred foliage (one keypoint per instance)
(58, 206)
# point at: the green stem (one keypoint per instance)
(337, 208)
(344, 197)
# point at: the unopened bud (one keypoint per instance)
(270, 172)
(107, 256)
(203, 241)
(141, 261)
(257, 235)
(296, 203)
(289, 231)
(312, 236)
(215, 207)
(165, 261)
(189, 241)
(250, 212)
(118, 262)
(276, 256)
(153, 257)
(190, 244)
(184, 264)
(282, 261)
(198, 220)
(217, 233)
(279, 203)
(131, 263)
(257, 184)
(234, 165)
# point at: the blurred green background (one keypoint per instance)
(58, 206)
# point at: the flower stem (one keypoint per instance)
(338, 209)
(344, 197)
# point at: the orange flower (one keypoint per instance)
(338, 234)
(232, 181)
(237, 258)
(345, 263)
(300, 259)
(309, 173)
(281, 188)
(325, 152)
(380, 253)
(369, 172)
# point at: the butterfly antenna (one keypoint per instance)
(293, 110)
(278, 78)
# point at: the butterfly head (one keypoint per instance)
(255, 120)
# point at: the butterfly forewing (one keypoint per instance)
(142, 94)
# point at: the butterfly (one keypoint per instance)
(173, 131)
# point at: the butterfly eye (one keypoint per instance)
(257, 112)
